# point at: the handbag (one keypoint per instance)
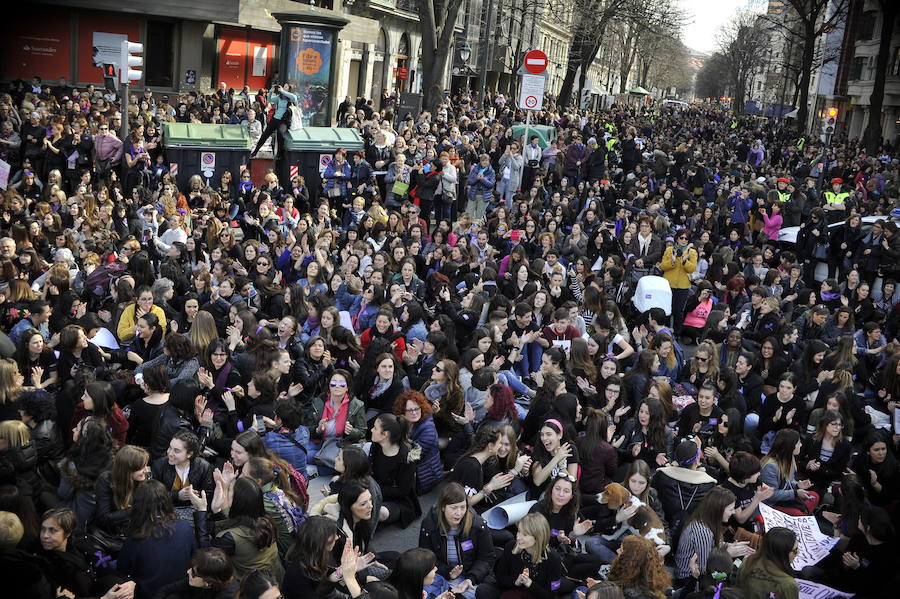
(820, 252)
(335, 191)
(753, 538)
(327, 454)
(399, 188)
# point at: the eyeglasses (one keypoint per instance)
(219, 355)
(837, 424)
(334, 384)
(415, 410)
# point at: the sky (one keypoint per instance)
(706, 17)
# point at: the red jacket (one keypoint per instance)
(116, 422)
(399, 343)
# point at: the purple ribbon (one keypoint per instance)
(102, 559)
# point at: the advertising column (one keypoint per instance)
(308, 59)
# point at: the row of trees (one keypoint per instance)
(745, 46)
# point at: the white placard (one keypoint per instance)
(260, 58)
(509, 512)
(813, 546)
(531, 96)
(814, 590)
(4, 174)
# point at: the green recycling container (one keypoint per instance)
(545, 133)
(308, 151)
(205, 149)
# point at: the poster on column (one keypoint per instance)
(813, 545)
(107, 48)
(309, 70)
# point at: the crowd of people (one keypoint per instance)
(448, 323)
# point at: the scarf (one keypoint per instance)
(336, 420)
(828, 296)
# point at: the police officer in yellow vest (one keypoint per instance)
(783, 194)
(836, 201)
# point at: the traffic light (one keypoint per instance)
(109, 77)
(829, 123)
(128, 60)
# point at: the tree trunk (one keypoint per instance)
(437, 46)
(872, 135)
(630, 48)
(809, 46)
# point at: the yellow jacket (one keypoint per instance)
(125, 330)
(677, 270)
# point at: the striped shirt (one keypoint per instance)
(695, 538)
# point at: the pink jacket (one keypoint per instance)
(772, 226)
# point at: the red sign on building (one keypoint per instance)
(403, 73)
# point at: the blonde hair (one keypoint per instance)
(11, 530)
(535, 525)
(203, 332)
(9, 390)
(15, 433)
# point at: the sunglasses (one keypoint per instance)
(334, 384)
(438, 369)
(566, 476)
(262, 263)
(699, 359)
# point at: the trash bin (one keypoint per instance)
(206, 150)
(308, 151)
(545, 133)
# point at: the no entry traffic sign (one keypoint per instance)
(536, 61)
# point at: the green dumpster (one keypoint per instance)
(205, 149)
(545, 133)
(308, 151)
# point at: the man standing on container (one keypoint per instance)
(282, 100)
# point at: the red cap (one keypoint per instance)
(837, 181)
(783, 180)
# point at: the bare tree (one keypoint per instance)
(814, 18)
(740, 42)
(437, 20)
(712, 80)
(872, 135)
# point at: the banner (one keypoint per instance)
(35, 46)
(814, 590)
(813, 546)
(309, 70)
(509, 512)
(4, 174)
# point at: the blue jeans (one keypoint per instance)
(599, 546)
(511, 379)
(530, 351)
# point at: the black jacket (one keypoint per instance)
(477, 561)
(49, 445)
(545, 576)
(107, 517)
(680, 491)
(314, 377)
(829, 471)
(200, 477)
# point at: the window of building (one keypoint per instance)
(856, 70)
(866, 26)
(159, 55)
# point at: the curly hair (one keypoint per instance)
(639, 565)
(415, 397)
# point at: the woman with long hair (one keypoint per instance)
(638, 379)
(469, 470)
(147, 342)
(769, 572)
(779, 467)
(599, 460)
(781, 410)
(646, 436)
(143, 305)
(878, 470)
(182, 470)
(528, 565)
(827, 453)
(639, 570)
(394, 469)
(460, 540)
(704, 531)
(159, 545)
(115, 489)
(554, 454)
(451, 413)
(379, 380)
(416, 410)
(90, 455)
(203, 331)
(703, 366)
(560, 506)
(99, 401)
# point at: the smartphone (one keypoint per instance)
(514, 235)
(260, 425)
